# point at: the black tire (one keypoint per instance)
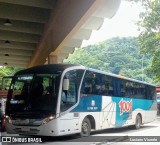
(138, 122)
(85, 128)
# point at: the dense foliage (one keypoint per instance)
(116, 55)
(7, 71)
(149, 38)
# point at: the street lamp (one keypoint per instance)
(142, 67)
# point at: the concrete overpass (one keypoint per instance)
(34, 32)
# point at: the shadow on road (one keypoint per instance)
(60, 139)
(84, 139)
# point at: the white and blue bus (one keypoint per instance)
(60, 99)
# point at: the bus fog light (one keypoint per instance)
(46, 120)
(8, 119)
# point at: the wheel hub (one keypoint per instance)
(85, 127)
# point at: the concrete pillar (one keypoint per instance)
(52, 59)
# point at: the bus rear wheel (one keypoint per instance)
(85, 128)
(138, 122)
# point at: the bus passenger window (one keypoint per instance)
(87, 87)
(107, 88)
(104, 90)
(123, 88)
(96, 84)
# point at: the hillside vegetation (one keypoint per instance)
(117, 55)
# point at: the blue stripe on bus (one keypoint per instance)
(94, 104)
(89, 104)
(125, 114)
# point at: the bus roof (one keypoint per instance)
(51, 68)
(121, 77)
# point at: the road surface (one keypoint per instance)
(121, 136)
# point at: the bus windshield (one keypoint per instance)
(34, 93)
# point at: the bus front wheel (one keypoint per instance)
(86, 127)
(138, 122)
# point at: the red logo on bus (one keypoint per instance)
(125, 106)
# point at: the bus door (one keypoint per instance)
(69, 99)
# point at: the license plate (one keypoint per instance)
(25, 129)
(22, 122)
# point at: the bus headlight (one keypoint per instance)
(8, 119)
(46, 120)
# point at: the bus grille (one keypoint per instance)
(31, 131)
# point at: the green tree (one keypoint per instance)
(116, 55)
(149, 38)
(7, 71)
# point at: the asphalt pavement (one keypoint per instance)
(120, 136)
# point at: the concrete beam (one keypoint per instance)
(17, 36)
(82, 34)
(67, 50)
(47, 4)
(17, 45)
(24, 27)
(66, 19)
(23, 13)
(93, 23)
(15, 52)
(13, 64)
(14, 57)
(52, 59)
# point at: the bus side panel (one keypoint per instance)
(128, 108)
(108, 114)
(89, 106)
(132, 119)
(95, 115)
(151, 114)
(68, 123)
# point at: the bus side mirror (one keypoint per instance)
(66, 84)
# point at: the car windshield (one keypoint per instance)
(34, 93)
